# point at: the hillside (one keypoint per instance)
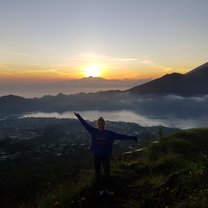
(193, 83)
(39, 156)
(169, 173)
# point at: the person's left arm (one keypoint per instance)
(117, 136)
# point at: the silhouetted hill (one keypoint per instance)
(169, 173)
(192, 83)
(13, 104)
(58, 103)
(101, 83)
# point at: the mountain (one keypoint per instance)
(60, 102)
(193, 83)
(14, 104)
(100, 83)
(69, 86)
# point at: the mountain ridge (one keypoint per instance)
(193, 83)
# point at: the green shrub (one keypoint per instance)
(198, 137)
(172, 145)
(168, 163)
(181, 146)
(154, 151)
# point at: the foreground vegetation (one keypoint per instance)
(171, 173)
(45, 160)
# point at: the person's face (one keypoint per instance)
(101, 125)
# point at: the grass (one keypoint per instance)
(172, 173)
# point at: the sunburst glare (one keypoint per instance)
(93, 70)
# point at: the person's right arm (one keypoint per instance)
(87, 126)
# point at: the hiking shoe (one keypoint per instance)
(101, 192)
(109, 193)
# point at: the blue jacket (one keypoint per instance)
(102, 140)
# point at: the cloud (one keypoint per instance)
(151, 63)
(151, 106)
(199, 99)
(183, 112)
(125, 59)
(175, 97)
(17, 54)
(105, 58)
(116, 63)
(86, 57)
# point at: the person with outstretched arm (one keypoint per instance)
(101, 147)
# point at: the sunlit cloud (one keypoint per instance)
(151, 63)
(135, 67)
(88, 57)
(34, 74)
(125, 59)
(17, 54)
(125, 67)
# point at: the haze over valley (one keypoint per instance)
(87, 84)
(162, 102)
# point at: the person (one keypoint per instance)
(101, 147)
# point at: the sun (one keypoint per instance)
(93, 70)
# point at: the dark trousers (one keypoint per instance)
(103, 161)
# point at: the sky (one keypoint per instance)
(50, 40)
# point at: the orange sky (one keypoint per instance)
(59, 40)
(116, 69)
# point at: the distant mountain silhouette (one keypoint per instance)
(58, 103)
(193, 83)
(99, 82)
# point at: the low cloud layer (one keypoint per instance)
(171, 110)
